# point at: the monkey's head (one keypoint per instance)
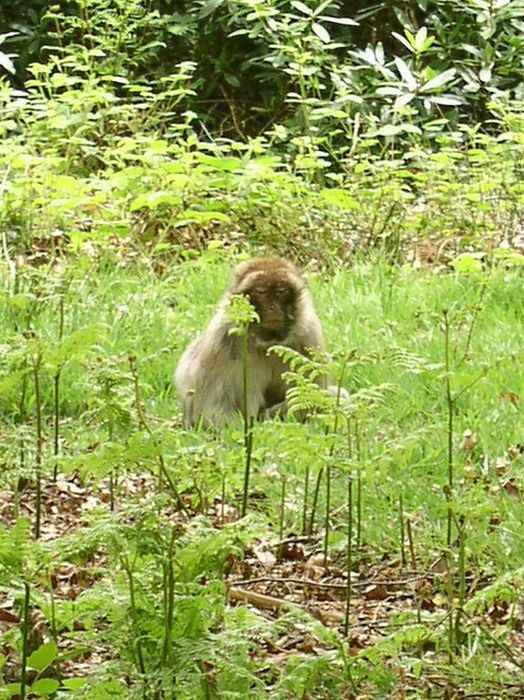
(274, 287)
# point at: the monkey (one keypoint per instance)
(209, 375)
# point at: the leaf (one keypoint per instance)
(386, 90)
(403, 40)
(403, 100)
(339, 20)
(5, 36)
(468, 263)
(43, 656)
(451, 100)
(394, 129)
(406, 74)
(228, 164)
(6, 62)
(439, 80)
(209, 8)
(485, 74)
(420, 39)
(429, 42)
(151, 200)
(74, 683)
(322, 33)
(510, 257)
(13, 690)
(389, 130)
(301, 7)
(339, 198)
(201, 217)
(45, 686)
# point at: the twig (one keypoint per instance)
(259, 600)
(336, 586)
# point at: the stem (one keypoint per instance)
(170, 600)
(476, 310)
(38, 456)
(56, 427)
(248, 423)
(326, 514)
(315, 500)
(401, 528)
(450, 408)
(110, 428)
(134, 614)
(25, 638)
(142, 420)
(411, 544)
(282, 518)
(449, 592)
(306, 495)
(358, 453)
(22, 420)
(462, 578)
(349, 554)
(56, 384)
(223, 498)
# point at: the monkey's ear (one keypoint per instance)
(241, 270)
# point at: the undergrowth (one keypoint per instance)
(158, 542)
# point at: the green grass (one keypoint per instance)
(393, 320)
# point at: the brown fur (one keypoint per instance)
(209, 377)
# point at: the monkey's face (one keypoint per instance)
(275, 305)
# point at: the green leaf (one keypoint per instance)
(209, 8)
(301, 7)
(339, 20)
(451, 100)
(406, 73)
(485, 74)
(202, 217)
(389, 130)
(439, 80)
(6, 62)
(339, 198)
(45, 686)
(151, 200)
(420, 39)
(322, 33)
(13, 689)
(74, 683)
(227, 164)
(429, 42)
(511, 257)
(403, 100)
(43, 656)
(394, 129)
(467, 263)
(404, 41)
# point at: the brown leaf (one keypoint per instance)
(6, 616)
(509, 396)
(512, 490)
(375, 592)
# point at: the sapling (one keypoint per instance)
(402, 535)
(163, 472)
(242, 314)
(349, 543)
(25, 640)
(56, 380)
(36, 365)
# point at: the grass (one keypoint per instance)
(394, 321)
